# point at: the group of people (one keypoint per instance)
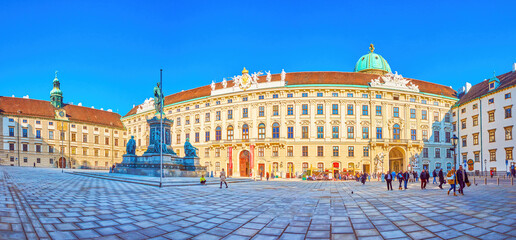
(222, 179)
(453, 178)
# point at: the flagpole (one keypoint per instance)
(161, 128)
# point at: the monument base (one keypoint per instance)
(149, 165)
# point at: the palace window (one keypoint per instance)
(217, 116)
(230, 132)
(492, 155)
(245, 132)
(261, 131)
(275, 130)
(464, 141)
(492, 136)
(365, 132)
(244, 99)
(197, 137)
(244, 112)
(463, 110)
(491, 116)
(274, 95)
(261, 111)
(364, 95)
(335, 151)
(396, 132)
(351, 132)
(320, 166)
(305, 151)
(507, 95)
(351, 151)
(436, 136)
(508, 133)
(475, 120)
(290, 110)
(413, 134)
(366, 151)
(490, 101)
(319, 94)
(261, 97)
(217, 166)
(477, 156)
(448, 153)
(290, 132)
(290, 95)
(475, 138)
(207, 117)
(335, 94)
(350, 109)
(396, 112)
(350, 95)
(218, 134)
(437, 153)
(320, 151)
(304, 95)
(424, 115)
(378, 110)
(275, 110)
(230, 114)
(447, 117)
(290, 151)
(96, 139)
(38, 148)
(207, 136)
(396, 97)
(508, 111)
(335, 109)
(304, 131)
(425, 152)
(25, 132)
(106, 141)
(320, 132)
(187, 120)
(50, 149)
(448, 137)
(335, 132)
(11, 131)
(178, 123)
(463, 123)
(436, 116)
(11, 146)
(365, 110)
(217, 152)
(229, 101)
(38, 134)
(320, 109)
(304, 108)
(412, 113)
(178, 139)
(508, 153)
(379, 96)
(378, 133)
(275, 151)
(261, 152)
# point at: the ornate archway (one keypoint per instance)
(62, 162)
(396, 157)
(244, 158)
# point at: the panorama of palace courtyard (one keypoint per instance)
(39, 203)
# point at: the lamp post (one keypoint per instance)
(485, 167)
(454, 139)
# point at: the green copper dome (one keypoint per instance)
(56, 95)
(372, 63)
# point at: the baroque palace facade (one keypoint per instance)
(369, 120)
(40, 133)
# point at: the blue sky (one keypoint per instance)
(108, 53)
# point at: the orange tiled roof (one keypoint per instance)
(44, 109)
(307, 78)
(482, 88)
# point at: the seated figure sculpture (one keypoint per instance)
(131, 146)
(190, 151)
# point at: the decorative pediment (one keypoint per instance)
(394, 81)
(398, 121)
(447, 129)
(424, 126)
(350, 122)
(436, 127)
(319, 122)
(290, 122)
(364, 123)
(335, 122)
(207, 128)
(305, 122)
(197, 129)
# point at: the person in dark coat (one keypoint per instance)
(400, 178)
(434, 174)
(406, 178)
(441, 178)
(388, 179)
(462, 179)
(415, 176)
(424, 178)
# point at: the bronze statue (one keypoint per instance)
(158, 98)
(190, 151)
(131, 146)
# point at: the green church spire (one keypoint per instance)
(56, 95)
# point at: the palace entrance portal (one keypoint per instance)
(396, 159)
(244, 157)
(62, 162)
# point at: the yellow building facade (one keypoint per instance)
(370, 120)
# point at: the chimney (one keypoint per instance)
(514, 67)
(26, 96)
(80, 104)
(110, 110)
(102, 109)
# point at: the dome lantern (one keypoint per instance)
(372, 63)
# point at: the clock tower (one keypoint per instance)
(56, 95)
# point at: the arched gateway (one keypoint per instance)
(396, 157)
(245, 169)
(62, 162)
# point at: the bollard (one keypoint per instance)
(474, 181)
(512, 181)
(498, 180)
(485, 180)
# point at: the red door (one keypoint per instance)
(244, 164)
(62, 162)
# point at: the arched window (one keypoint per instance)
(261, 131)
(320, 166)
(396, 132)
(218, 133)
(230, 132)
(245, 132)
(305, 166)
(275, 130)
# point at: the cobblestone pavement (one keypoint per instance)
(45, 203)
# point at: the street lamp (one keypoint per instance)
(485, 166)
(454, 139)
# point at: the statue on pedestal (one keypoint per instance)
(158, 98)
(131, 146)
(190, 151)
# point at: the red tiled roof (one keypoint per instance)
(506, 80)
(307, 78)
(44, 109)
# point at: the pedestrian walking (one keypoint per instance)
(423, 177)
(267, 176)
(416, 176)
(363, 178)
(383, 177)
(492, 173)
(223, 178)
(452, 181)
(400, 179)
(462, 179)
(393, 175)
(388, 179)
(406, 177)
(441, 178)
(434, 174)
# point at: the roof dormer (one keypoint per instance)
(494, 82)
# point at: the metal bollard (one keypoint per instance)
(474, 181)
(498, 180)
(512, 181)
(485, 180)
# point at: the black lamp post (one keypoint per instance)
(454, 139)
